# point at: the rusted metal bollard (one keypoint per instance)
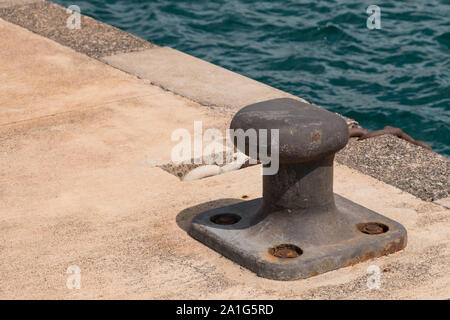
(299, 228)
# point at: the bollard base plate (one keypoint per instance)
(310, 241)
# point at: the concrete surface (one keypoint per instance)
(444, 202)
(194, 78)
(94, 38)
(11, 3)
(77, 187)
(60, 92)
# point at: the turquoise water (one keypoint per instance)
(322, 51)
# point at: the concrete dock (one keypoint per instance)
(85, 119)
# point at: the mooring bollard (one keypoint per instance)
(299, 228)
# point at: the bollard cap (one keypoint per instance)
(306, 132)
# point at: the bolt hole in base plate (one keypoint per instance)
(286, 251)
(295, 247)
(225, 219)
(372, 228)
